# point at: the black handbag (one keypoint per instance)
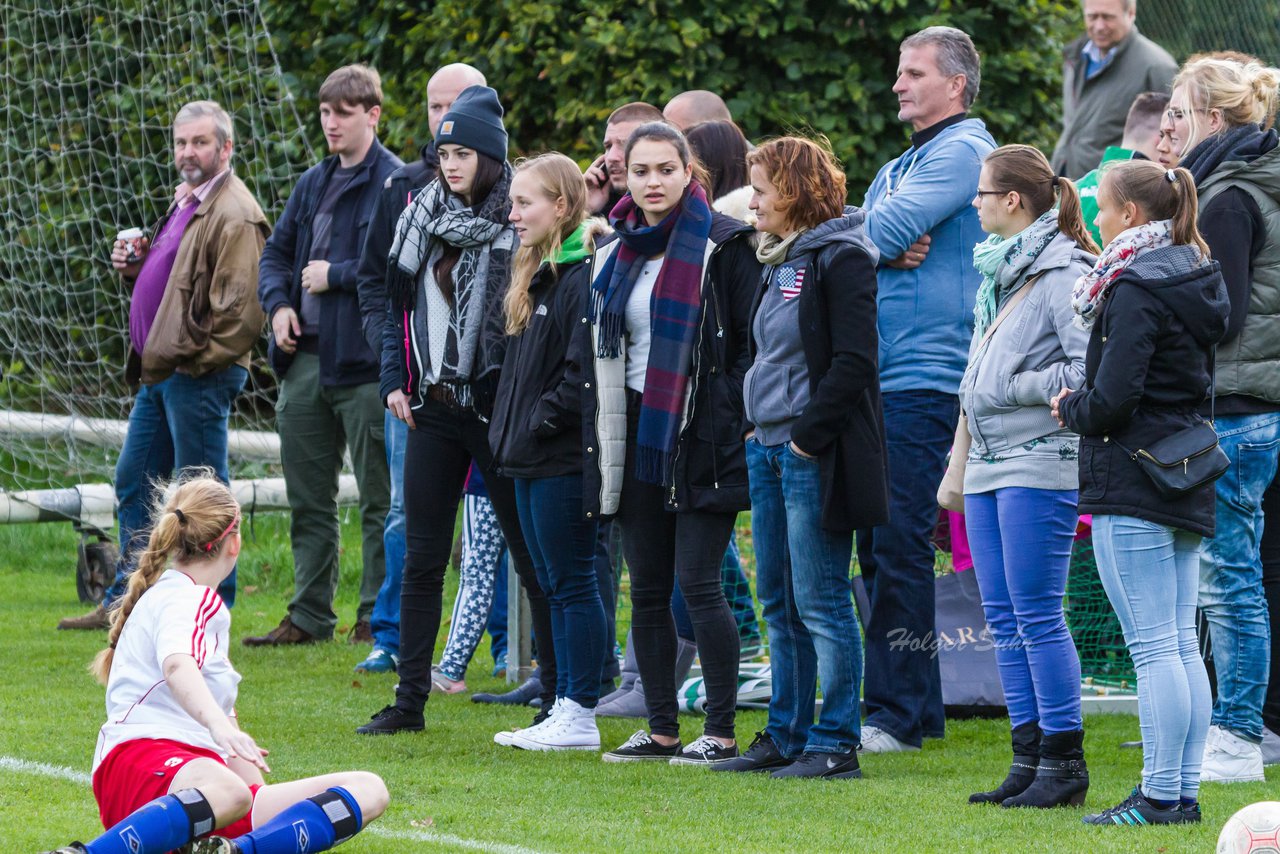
(1190, 458)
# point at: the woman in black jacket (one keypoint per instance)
(536, 438)
(1221, 114)
(1156, 306)
(662, 415)
(815, 452)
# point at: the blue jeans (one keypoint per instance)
(903, 692)
(1021, 543)
(562, 544)
(803, 582)
(385, 621)
(1231, 594)
(1150, 574)
(176, 423)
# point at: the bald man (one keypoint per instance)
(697, 105)
(442, 89)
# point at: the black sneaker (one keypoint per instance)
(707, 752)
(391, 720)
(641, 748)
(761, 755)
(828, 766)
(1136, 810)
(1191, 813)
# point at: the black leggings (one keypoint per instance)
(658, 546)
(437, 455)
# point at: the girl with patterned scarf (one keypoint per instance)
(662, 409)
(443, 347)
(1022, 472)
(1155, 306)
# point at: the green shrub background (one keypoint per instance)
(782, 65)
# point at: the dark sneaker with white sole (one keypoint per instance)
(642, 748)
(761, 755)
(707, 752)
(1136, 810)
(826, 766)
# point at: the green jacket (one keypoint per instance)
(1088, 188)
(1094, 110)
(1250, 363)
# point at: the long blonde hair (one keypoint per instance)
(191, 521)
(558, 178)
(1245, 93)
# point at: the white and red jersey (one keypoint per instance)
(175, 616)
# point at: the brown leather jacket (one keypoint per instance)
(209, 317)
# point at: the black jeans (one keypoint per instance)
(1271, 587)
(437, 455)
(659, 546)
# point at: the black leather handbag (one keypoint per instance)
(1190, 458)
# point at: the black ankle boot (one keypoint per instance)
(1061, 776)
(1026, 756)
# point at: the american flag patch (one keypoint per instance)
(790, 281)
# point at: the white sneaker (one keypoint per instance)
(876, 740)
(507, 736)
(571, 727)
(1270, 747)
(1228, 758)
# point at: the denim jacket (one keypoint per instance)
(1036, 351)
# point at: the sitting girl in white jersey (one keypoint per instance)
(172, 765)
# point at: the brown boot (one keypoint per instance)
(284, 634)
(97, 619)
(361, 632)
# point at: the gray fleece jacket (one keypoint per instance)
(1035, 352)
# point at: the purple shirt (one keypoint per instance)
(153, 278)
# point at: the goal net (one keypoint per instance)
(90, 92)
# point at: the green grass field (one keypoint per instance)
(454, 790)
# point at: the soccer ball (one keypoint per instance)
(1253, 830)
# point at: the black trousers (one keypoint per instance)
(659, 546)
(437, 455)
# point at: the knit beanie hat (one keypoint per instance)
(475, 121)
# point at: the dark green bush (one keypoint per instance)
(782, 65)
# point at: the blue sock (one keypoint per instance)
(158, 826)
(316, 824)
(1188, 801)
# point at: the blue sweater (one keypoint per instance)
(926, 314)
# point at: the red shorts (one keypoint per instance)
(139, 771)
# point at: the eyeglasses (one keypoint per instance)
(1177, 115)
(981, 193)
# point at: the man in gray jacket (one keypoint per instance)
(1103, 72)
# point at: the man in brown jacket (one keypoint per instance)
(193, 319)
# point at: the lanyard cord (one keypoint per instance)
(888, 194)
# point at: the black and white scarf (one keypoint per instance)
(473, 327)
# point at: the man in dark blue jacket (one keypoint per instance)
(328, 397)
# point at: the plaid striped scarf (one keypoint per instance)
(675, 313)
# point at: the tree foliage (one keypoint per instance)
(782, 65)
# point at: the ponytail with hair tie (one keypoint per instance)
(1171, 176)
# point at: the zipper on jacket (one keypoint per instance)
(693, 391)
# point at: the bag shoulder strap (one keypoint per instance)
(1009, 306)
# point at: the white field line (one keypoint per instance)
(447, 839)
(12, 763)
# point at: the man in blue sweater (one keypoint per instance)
(920, 218)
